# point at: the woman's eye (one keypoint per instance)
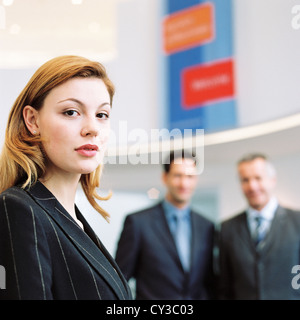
(102, 115)
(71, 113)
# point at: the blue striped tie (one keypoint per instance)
(258, 232)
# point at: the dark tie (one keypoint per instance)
(258, 232)
(182, 240)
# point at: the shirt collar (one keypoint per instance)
(267, 212)
(171, 210)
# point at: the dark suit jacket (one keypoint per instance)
(46, 254)
(264, 273)
(147, 252)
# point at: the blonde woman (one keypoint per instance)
(55, 139)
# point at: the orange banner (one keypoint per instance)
(188, 28)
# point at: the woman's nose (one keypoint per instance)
(90, 128)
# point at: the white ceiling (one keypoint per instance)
(32, 31)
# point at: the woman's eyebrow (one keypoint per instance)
(71, 99)
(81, 103)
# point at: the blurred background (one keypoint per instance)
(229, 68)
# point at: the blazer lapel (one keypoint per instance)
(272, 235)
(243, 231)
(161, 226)
(91, 233)
(92, 250)
(196, 241)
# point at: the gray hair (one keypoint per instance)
(253, 156)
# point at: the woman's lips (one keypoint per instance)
(87, 150)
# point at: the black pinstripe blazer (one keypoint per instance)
(46, 255)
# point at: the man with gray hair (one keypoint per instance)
(259, 247)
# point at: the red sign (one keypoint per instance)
(206, 83)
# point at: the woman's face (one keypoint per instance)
(74, 125)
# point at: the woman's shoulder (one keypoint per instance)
(18, 209)
(15, 198)
(14, 193)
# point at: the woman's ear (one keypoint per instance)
(30, 117)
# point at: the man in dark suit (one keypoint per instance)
(149, 252)
(260, 246)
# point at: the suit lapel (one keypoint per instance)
(196, 241)
(161, 226)
(243, 233)
(90, 232)
(275, 228)
(86, 245)
(271, 237)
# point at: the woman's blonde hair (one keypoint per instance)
(22, 160)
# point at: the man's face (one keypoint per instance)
(180, 181)
(257, 182)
